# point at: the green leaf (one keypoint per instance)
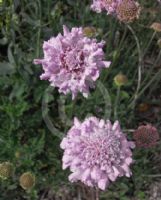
(6, 68)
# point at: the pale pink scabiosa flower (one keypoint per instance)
(146, 136)
(109, 6)
(96, 152)
(72, 62)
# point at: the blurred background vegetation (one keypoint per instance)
(26, 141)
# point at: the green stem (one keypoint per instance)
(151, 69)
(149, 43)
(117, 51)
(135, 97)
(39, 31)
(97, 194)
(158, 74)
(123, 38)
(116, 103)
(48, 8)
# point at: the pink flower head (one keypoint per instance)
(109, 6)
(72, 62)
(96, 152)
(146, 136)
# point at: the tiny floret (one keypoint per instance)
(96, 152)
(72, 62)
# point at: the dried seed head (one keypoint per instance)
(120, 79)
(27, 180)
(6, 170)
(128, 10)
(146, 136)
(156, 26)
(17, 154)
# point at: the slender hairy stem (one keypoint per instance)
(97, 194)
(39, 30)
(139, 67)
(116, 103)
(153, 66)
(92, 192)
(79, 194)
(149, 43)
(158, 74)
(117, 50)
(123, 38)
(152, 175)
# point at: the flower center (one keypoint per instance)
(73, 60)
(101, 149)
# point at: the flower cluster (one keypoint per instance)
(72, 62)
(96, 152)
(124, 10)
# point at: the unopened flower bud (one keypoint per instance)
(17, 154)
(6, 170)
(89, 31)
(120, 79)
(27, 180)
(159, 43)
(156, 26)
